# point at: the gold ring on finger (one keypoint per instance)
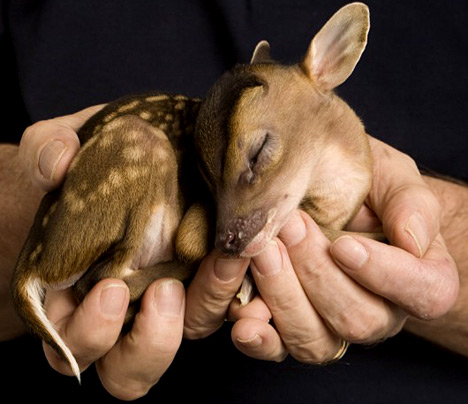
(341, 351)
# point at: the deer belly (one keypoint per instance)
(158, 239)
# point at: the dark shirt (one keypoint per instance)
(410, 88)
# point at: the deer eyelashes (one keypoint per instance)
(258, 158)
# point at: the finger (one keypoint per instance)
(48, 147)
(90, 329)
(210, 293)
(365, 221)
(141, 357)
(252, 334)
(302, 330)
(402, 200)
(258, 339)
(76, 120)
(426, 288)
(350, 310)
(256, 308)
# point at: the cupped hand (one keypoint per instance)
(127, 364)
(48, 147)
(358, 290)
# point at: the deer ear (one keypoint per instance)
(337, 48)
(261, 54)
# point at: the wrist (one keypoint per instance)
(453, 199)
(18, 203)
(451, 330)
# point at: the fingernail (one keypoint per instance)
(349, 252)
(294, 231)
(270, 261)
(251, 343)
(227, 269)
(113, 300)
(417, 229)
(169, 298)
(50, 156)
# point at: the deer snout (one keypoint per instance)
(229, 242)
(236, 234)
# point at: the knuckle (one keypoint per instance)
(403, 158)
(33, 129)
(313, 269)
(363, 327)
(197, 331)
(166, 347)
(312, 352)
(92, 346)
(163, 347)
(128, 390)
(36, 129)
(222, 294)
(409, 161)
(207, 315)
(390, 155)
(441, 294)
(27, 135)
(45, 128)
(193, 332)
(123, 385)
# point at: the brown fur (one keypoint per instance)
(267, 139)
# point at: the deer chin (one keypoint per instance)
(263, 237)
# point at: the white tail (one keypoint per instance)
(32, 296)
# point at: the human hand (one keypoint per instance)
(127, 365)
(320, 294)
(48, 147)
(450, 330)
(26, 173)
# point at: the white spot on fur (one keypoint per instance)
(129, 106)
(146, 115)
(115, 178)
(53, 208)
(36, 252)
(104, 188)
(134, 172)
(180, 105)
(156, 98)
(133, 153)
(110, 117)
(74, 202)
(45, 220)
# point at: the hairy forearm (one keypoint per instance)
(18, 203)
(451, 330)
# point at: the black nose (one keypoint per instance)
(229, 242)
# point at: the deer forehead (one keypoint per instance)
(286, 95)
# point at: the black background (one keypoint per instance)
(410, 88)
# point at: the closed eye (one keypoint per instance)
(259, 155)
(257, 152)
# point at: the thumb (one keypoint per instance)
(408, 209)
(48, 147)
